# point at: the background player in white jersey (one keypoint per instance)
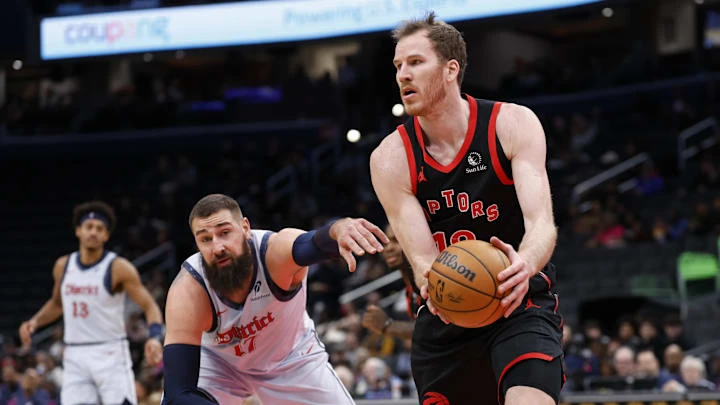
(89, 292)
(236, 319)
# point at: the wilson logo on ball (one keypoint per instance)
(451, 261)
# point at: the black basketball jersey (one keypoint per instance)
(474, 196)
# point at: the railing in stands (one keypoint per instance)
(609, 174)
(281, 184)
(168, 263)
(685, 152)
(323, 157)
(366, 289)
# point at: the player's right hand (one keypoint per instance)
(428, 302)
(357, 236)
(26, 330)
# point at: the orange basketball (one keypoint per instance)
(462, 283)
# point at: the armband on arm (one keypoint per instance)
(315, 246)
(182, 369)
(156, 331)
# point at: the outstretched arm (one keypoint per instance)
(125, 276)
(188, 314)
(50, 311)
(291, 250)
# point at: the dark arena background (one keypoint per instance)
(151, 104)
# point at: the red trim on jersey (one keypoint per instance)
(410, 156)
(518, 359)
(492, 144)
(547, 279)
(469, 135)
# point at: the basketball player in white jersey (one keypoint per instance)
(89, 293)
(236, 319)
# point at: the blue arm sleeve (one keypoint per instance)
(182, 369)
(315, 246)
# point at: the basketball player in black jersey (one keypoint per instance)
(464, 168)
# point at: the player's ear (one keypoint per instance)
(452, 68)
(245, 226)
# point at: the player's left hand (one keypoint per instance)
(153, 351)
(515, 277)
(358, 236)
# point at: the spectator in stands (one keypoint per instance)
(624, 361)
(648, 367)
(377, 381)
(611, 233)
(347, 377)
(701, 219)
(580, 361)
(673, 357)
(325, 287)
(675, 332)
(677, 225)
(650, 338)
(50, 373)
(714, 372)
(626, 334)
(650, 181)
(30, 391)
(692, 370)
(10, 383)
(375, 319)
(708, 174)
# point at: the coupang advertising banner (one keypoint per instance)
(254, 22)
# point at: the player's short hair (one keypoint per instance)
(85, 210)
(213, 203)
(447, 41)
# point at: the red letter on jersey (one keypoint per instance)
(477, 209)
(448, 197)
(493, 212)
(433, 206)
(463, 202)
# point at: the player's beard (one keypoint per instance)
(232, 277)
(431, 96)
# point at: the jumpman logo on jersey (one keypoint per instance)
(530, 304)
(421, 176)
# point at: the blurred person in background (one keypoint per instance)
(624, 361)
(89, 292)
(30, 392)
(374, 318)
(693, 373)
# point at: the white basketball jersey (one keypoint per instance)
(266, 332)
(91, 312)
